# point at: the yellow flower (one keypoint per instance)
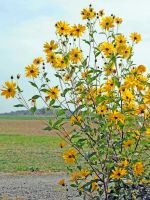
(62, 28)
(51, 57)
(70, 156)
(107, 22)
(84, 173)
(107, 48)
(49, 47)
(32, 71)
(141, 69)
(101, 13)
(9, 89)
(61, 145)
(75, 176)
(118, 173)
(38, 61)
(85, 74)
(109, 69)
(128, 143)
(124, 163)
(101, 110)
(148, 132)
(88, 13)
(77, 30)
(118, 20)
(138, 168)
(67, 77)
(120, 40)
(127, 96)
(135, 37)
(95, 183)
(75, 118)
(130, 81)
(109, 85)
(116, 116)
(76, 55)
(53, 92)
(60, 62)
(80, 88)
(147, 97)
(124, 51)
(61, 182)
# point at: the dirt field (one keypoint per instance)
(29, 127)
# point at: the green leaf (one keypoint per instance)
(19, 90)
(19, 105)
(58, 76)
(48, 128)
(65, 91)
(61, 112)
(52, 102)
(33, 84)
(33, 109)
(36, 96)
(58, 122)
(86, 41)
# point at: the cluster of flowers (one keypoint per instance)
(109, 105)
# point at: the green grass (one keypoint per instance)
(30, 153)
(24, 117)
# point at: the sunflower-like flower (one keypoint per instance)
(70, 156)
(102, 110)
(67, 77)
(75, 176)
(107, 23)
(51, 57)
(76, 55)
(147, 97)
(53, 92)
(116, 117)
(148, 132)
(32, 71)
(135, 37)
(118, 20)
(124, 51)
(61, 145)
(107, 48)
(128, 143)
(118, 173)
(95, 183)
(61, 182)
(49, 47)
(138, 168)
(77, 30)
(84, 173)
(62, 28)
(75, 118)
(9, 89)
(38, 61)
(127, 96)
(124, 163)
(120, 40)
(88, 13)
(101, 13)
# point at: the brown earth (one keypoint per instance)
(25, 127)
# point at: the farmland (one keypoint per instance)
(26, 147)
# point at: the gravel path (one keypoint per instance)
(34, 187)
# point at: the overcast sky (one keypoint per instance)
(26, 24)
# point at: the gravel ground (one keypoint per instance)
(34, 187)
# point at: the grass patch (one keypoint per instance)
(30, 153)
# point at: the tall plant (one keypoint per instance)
(101, 105)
